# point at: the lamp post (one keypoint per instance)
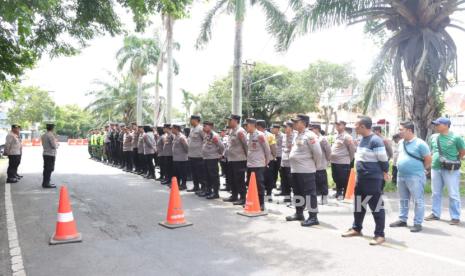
(249, 86)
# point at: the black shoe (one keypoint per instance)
(193, 190)
(398, 223)
(416, 228)
(203, 194)
(49, 186)
(12, 180)
(151, 177)
(295, 217)
(281, 194)
(230, 199)
(165, 182)
(239, 202)
(213, 196)
(454, 222)
(311, 221)
(182, 187)
(431, 217)
(19, 176)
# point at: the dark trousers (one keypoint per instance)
(238, 170)
(135, 159)
(150, 165)
(49, 167)
(228, 172)
(286, 180)
(129, 160)
(197, 167)
(212, 175)
(167, 167)
(321, 182)
(277, 170)
(270, 181)
(305, 191)
(340, 173)
(223, 165)
(180, 172)
(369, 191)
(142, 163)
(108, 151)
(13, 164)
(260, 179)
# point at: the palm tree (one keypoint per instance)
(187, 100)
(275, 20)
(115, 100)
(419, 46)
(141, 54)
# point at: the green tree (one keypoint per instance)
(73, 121)
(418, 46)
(116, 100)
(31, 105)
(141, 55)
(28, 29)
(275, 19)
(187, 100)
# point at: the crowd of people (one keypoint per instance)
(299, 152)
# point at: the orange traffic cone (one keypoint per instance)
(175, 216)
(252, 204)
(350, 186)
(66, 231)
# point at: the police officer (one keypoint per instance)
(258, 158)
(237, 160)
(107, 142)
(140, 151)
(127, 148)
(120, 146)
(50, 146)
(342, 154)
(286, 177)
(113, 139)
(135, 145)
(276, 131)
(212, 150)
(160, 154)
(321, 174)
(149, 151)
(270, 184)
(305, 157)
(195, 142)
(180, 156)
(13, 149)
(168, 138)
(225, 167)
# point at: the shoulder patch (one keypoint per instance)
(261, 138)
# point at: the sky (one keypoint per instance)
(70, 78)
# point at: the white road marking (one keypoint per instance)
(17, 265)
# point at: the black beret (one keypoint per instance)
(234, 117)
(195, 117)
(301, 117)
(251, 121)
(261, 123)
(208, 123)
(167, 126)
(276, 126)
(15, 126)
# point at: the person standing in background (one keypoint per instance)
(180, 157)
(50, 146)
(395, 155)
(321, 174)
(13, 149)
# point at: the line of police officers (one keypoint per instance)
(299, 156)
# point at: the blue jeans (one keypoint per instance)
(450, 179)
(411, 187)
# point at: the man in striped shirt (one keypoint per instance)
(372, 168)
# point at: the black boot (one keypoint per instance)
(230, 199)
(295, 217)
(311, 221)
(213, 195)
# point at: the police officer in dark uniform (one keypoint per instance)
(212, 150)
(50, 146)
(195, 142)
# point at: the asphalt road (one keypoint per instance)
(118, 215)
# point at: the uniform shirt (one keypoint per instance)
(371, 158)
(306, 153)
(160, 145)
(343, 149)
(168, 144)
(212, 147)
(121, 137)
(224, 141)
(12, 144)
(127, 141)
(149, 143)
(279, 144)
(195, 142)
(407, 165)
(326, 152)
(140, 144)
(49, 144)
(180, 148)
(451, 144)
(259, 152)
(108, 137)
(288, 141)
(135, 140)
(237, 145)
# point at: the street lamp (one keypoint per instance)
(249, 87)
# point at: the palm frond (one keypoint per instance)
(205, 29)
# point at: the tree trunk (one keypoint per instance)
(169, 54)
(237, 72)
(156, 110)
(423, 108)
(139, 101)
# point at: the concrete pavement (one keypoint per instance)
(118, 214)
